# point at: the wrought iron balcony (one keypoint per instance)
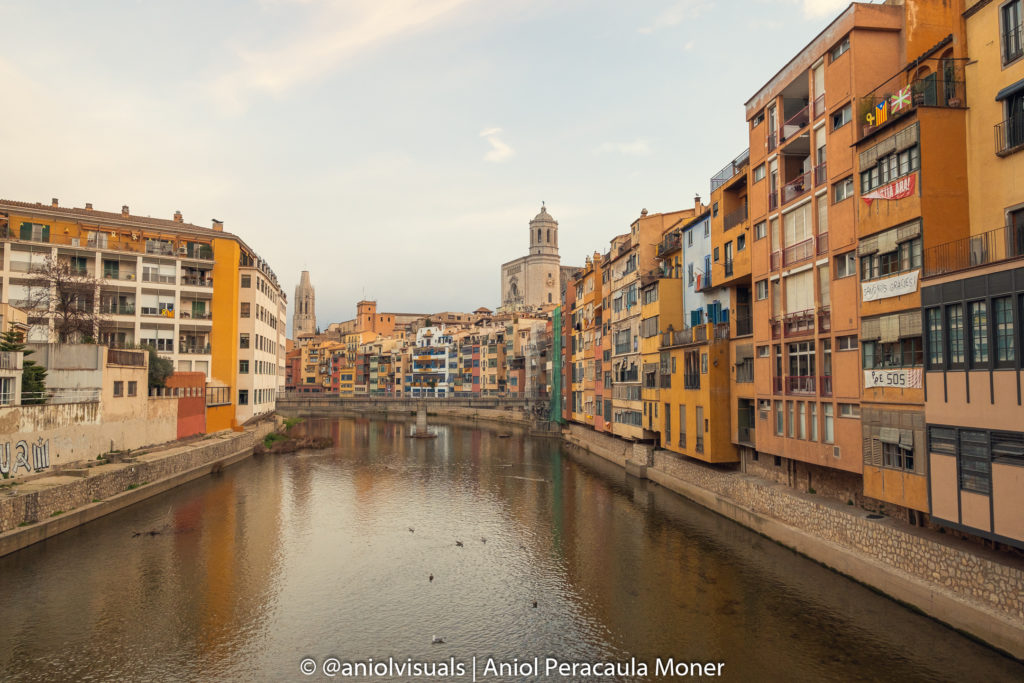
(1009, 135)
(806, 384)
(727, 173)
(1001, 244)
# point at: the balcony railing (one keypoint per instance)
(744, 324)
(734, 218)
(126, 358)
(819, 106)
(824, 319)
(801, 384)
(671, 243)
(821, 173)
(1009, 135)
(800, 251)
(994, 246)
(772, 141)
(826, 385)
(197, 281)
(691, 380)
(775, 260)
(118, 309)
(776, 385)
(728, 268)
(799, 323)
(773, 200)
(797, 187)
(776, 326)
(795, 123)
(944, 87)
(154, 277)
(197, 316)
(195, 350)
(822, 243)
(727, 173)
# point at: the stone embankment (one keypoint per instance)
(969, 587)
(44, 506)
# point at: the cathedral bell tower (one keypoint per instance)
(543, 234)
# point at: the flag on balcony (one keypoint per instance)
(900, 101)
(881, 112)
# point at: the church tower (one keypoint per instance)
(304, 318)
(543, 234)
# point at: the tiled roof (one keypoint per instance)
(109, 217)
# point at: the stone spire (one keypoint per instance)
(304, 318)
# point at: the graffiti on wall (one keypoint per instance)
(33, 457)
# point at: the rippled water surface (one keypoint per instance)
(311, 555)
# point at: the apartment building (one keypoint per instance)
(972, 296)
(165, 283)
(434, 364)
(802, 205)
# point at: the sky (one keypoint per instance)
(396, 149)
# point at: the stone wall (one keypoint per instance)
(72, 433)
(510, 411)
(63, 494)
(979, 591)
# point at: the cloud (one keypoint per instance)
(820, 8)
(499, 150)
(334, 31)
(637, 148)
(676, 14)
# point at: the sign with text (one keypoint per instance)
(890, 286)
(899, 378)
(897, 189)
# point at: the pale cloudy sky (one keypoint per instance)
(396, 148)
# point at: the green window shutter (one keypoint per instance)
(26, 231)
(46, 233)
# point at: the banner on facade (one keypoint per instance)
(900, 378)
(897, 189)
(890, 286)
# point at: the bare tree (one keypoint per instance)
(66, 293)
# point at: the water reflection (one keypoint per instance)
(311, 554)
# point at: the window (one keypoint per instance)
(760, 230)
(830, 434)
(906, 256)
(975, 465)
(840, 49)
(689, 240)
(849, 410)
(802, 419)
(763, 351)
(245, 309)
(6, 391)
(243, 397)
(846, 264)
(779, 418)
(897, 456)
(714, 210)
(243, 340)
(741, 243)
(35, 232)
(842, 190)
(956, 334)
(243, 367)
(716, 254)
(757, 120)
(118, 388)
(934, 323)
(759, 173)
(814, 421)
(842, 117)
(682, 425)
(942, 440)
(890, 168)
(1006, 352)
(1013, 46)
(246, 281)
(905, 353)
(979, 333)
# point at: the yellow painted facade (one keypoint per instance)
(224, 338)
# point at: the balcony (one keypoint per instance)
(745, 434)
(734, 218)
(819, 106)
(798, 324)
(125, 358)
(822, 243)
(194, 315)
(944, 87)
(824, 319)
(727, 173)
(1001, 244)
(198, 350)
(801, 385)
(821, 173)
(775, 260)
(691, 380)
(161, 279)
(152, 312)
(797, 187)
(197, 281)
(1009, 135)
(801, 251)
(826, 385)
(117, 309)
(772, 141)
(671, 243)
(776, 326)
(728, 268)
(776, 385)
(773, 200)
(744, 324)
(795, 123)
(161, 248)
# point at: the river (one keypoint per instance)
(330, 554)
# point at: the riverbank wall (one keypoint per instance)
(511, 411)
(43, 507)
(968, 587)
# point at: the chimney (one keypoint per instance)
(218, 225)
(124, 211)
(643, 212)
(177, 217)
(696, 204)
(54, 203)
(88, 206)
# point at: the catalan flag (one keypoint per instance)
(881, 112)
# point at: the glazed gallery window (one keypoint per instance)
(1006, 350)
(955, 315)
(904, 353)
(979, 333)
(906, 256)
(890, 167)
(935, 351)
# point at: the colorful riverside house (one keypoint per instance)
(731, 240)
(802, 205)
(578, 355)
(200, 296)
(603, 353)
(911, 196)
(557, 367)
(973, 301)
(433, 362)
(661, 295)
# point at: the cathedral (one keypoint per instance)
(304, 318)
(535, 280)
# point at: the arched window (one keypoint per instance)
(549, 235)
(538, 234)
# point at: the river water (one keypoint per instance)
(310, 555)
